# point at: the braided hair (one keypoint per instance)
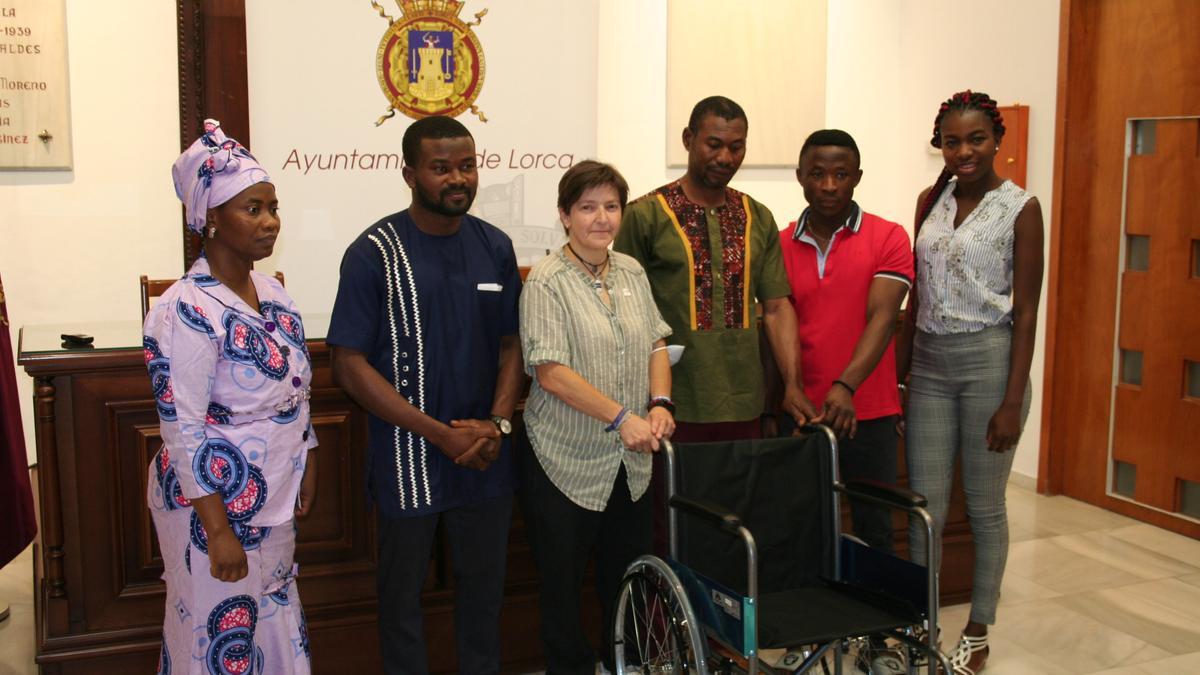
(960, 103)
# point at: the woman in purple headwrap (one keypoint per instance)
(227, 359)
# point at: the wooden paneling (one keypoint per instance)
(1155, 427)
(212, 78)
(1120, 59)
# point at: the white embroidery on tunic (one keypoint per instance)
(391, 290)
(399, 276)
(419, 334)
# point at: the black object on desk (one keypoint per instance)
(77, 340)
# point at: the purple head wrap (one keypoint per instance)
(212, 171)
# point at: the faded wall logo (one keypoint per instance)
(429, 61)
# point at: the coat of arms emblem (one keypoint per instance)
(429, 61)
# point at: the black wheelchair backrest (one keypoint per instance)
(782, 490)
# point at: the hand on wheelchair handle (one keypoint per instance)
(662, 423)
(796, 404)
(838, 413)
(637, 435)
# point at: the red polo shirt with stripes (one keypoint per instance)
(829, 294)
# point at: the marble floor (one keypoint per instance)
(1086, 591)
(1090, 591)
(16, 632)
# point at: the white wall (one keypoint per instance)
(890, 64)
(72, 244)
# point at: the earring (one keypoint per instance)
(212, 232)
(997, 148)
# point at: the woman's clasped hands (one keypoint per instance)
(642, 434)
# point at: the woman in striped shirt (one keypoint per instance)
(969, 340)
(600, 402)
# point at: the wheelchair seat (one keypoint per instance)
(820, 613)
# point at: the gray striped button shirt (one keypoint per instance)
(563, 320)
(965, 275)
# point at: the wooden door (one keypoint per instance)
(1156, 423)
(1011, 162)
(1122, 60)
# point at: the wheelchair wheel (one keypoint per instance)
(654, 628)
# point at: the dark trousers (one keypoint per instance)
(870, 455)
(562, 535)
(478, 535)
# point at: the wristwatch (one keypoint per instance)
(502, 424)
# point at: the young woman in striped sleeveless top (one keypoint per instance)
(969, 341)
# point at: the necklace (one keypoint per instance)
(595, 270)
(822, 242)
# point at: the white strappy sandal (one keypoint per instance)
(968, 646)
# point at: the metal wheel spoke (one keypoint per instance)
(652, 631)
(636, 614)
(664, 649)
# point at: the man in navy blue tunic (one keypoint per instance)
(424, 337)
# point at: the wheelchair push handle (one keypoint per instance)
(726, 520)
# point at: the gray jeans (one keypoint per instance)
(958, 382)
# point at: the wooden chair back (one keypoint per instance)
(154, 288)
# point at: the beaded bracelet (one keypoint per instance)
(618, 420)
(843, 383)
(662, 402)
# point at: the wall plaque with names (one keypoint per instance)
(35, 112)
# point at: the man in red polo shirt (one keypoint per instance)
(849, 271)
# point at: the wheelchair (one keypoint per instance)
(757, 561)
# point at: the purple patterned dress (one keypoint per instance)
(232, 387)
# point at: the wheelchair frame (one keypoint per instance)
(888, 496)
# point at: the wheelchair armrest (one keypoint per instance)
(716, 515)
(891, 494)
